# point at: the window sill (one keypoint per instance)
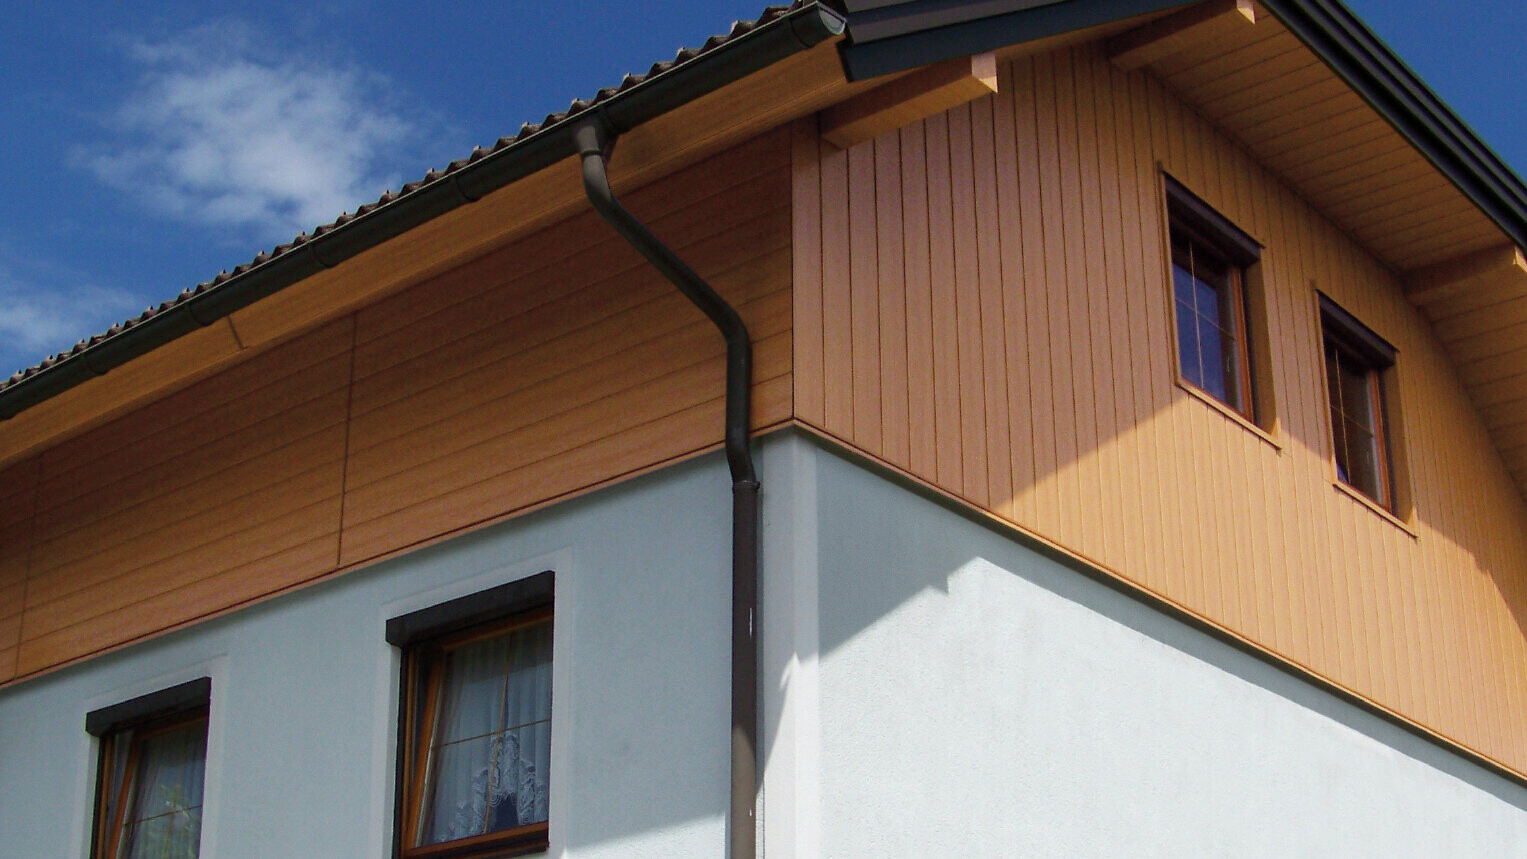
(531, 838)
(1377, 508)
(1240, 419)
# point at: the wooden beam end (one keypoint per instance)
(1503, 264)
(1204, 23)
(901, 102)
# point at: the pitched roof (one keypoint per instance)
(800, 24)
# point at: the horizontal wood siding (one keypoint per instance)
(18, 498)
(1023, 361)
(553, 364)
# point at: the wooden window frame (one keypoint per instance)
(143, 717)
(1342, 332)
(1190, 219)
(426, 637)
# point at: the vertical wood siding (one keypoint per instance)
(1023, 361)
(555, 364)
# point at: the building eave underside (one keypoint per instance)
(1338, 117)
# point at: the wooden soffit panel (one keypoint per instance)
(1239, 67)
(795, 87)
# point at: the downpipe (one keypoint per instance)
(595, 142)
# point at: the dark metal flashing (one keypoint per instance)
(1360, 337)
(873, 21)
(1190, 209)
(750, 46)
(181, 698)
(487, 606)
(899, 51)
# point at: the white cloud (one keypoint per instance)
(219, 130)
(44, 311)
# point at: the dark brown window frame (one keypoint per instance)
(1344, 334)
(425, 637)
(135, 721)
(1192, 222)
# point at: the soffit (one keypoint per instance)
(787, 90)
(1264, 87)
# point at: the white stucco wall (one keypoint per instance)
(303, 715)
(931, 688)
(969, 697)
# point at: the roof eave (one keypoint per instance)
(462, 183)
(881, 40)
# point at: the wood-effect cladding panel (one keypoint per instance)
(478, 395)
(18, 503)
(1029, 344)
(551, 365)
(221, 493)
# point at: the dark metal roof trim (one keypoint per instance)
(892, 48)
(752, 45)
(872, 21)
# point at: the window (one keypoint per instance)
(1209, 261)
(150, 774)
(1356, 361)
(475, 743)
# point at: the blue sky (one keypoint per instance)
(145, 151)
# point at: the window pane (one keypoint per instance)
(1213, 352)
(1210, 353)
(164, 820)
(1188, 346)
(1363, 460)
(1182, 283)
(491, 757)
(1351, 384)
(1356, 394)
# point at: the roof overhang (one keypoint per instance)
(1318, 99)
(1307, 89)
(783, 67)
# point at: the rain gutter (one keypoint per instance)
(595, 142)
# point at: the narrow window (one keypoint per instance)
(476, 724)
(1356, 362)
(150, 775)
(1209, 261)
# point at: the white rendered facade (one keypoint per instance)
(933, 686)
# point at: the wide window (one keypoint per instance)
(150, 775)
(1356, 362)
(1209, 261)
(476, 724)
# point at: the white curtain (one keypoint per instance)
(164, 817)
(492, 751)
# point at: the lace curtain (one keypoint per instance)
(164, 814)
(492, 751)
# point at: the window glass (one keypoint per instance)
(491, 747)
(1209, 297)
(151, 790)
(1355, 362)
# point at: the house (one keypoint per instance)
(1138, 420)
